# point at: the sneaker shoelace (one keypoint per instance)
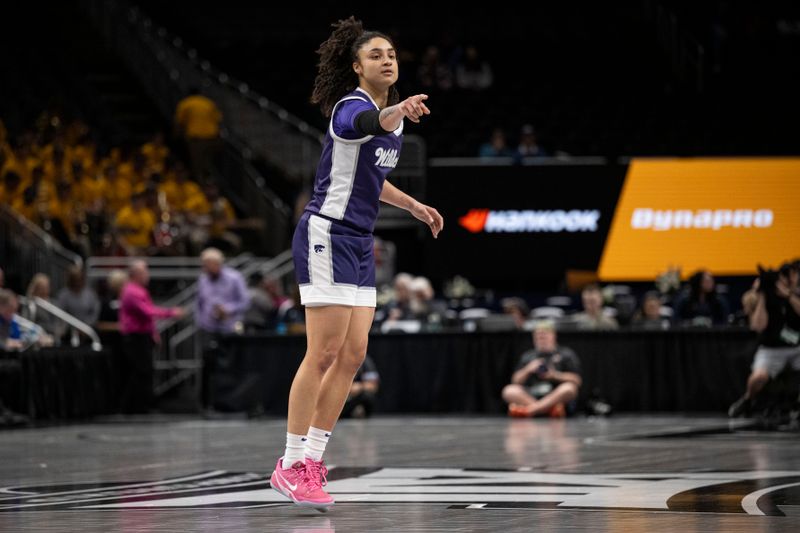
(316, 474)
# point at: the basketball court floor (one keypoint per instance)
(406, 474)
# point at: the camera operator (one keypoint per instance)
(547, 379)
(773, 309)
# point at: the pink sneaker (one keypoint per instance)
(302, 486)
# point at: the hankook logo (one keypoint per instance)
(754, 493)
(556, 221)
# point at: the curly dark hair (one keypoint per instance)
(335, 76)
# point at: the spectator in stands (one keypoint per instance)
(91, 194)
(773, 309)
(649, 316)
(700, 304)
(137, 316)
(421, 303)
(361, 398)
(10, 332)
(10, 329)
(593, 317)
(155, 152)
(222, 299)
(197, 121)
(547, 379)
(119, 190)
(36, 195)
(473, 73)
(63, 216)
(399, 307)
(213, 217)
(432, 74)
(135, 224)
(78, 299)
(528, 143)
(39, 287)
(179, 189)
(222, 296)
(516, 308)
(291, 314)
(109, 309)
(274, 287)
(496, 147)
(12, 188)
(262, 313)
(26, 206)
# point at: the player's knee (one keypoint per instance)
(324, 357)
(570, 391)
(759, 375)
(510, 392)
(351, 359)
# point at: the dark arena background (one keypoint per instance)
(620, 185)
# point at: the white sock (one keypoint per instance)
(295, 450)
(317, 440)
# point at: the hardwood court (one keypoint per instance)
(406, 474)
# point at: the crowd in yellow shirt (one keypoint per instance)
(126, 201)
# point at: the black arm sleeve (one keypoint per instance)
(368, 123)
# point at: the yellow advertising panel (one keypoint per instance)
(726, 215)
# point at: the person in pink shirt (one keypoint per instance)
(137, 323)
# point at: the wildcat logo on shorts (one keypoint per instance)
(386, 158)
(771, 493)
(319, 248)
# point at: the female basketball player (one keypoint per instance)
(333, 244)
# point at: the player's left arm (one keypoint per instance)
(394, 196)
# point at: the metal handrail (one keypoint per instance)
(71, 320)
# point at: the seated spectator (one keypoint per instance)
(700, 304)
(213, 216)
(528, 143)
(77, 299)
(422, 304)
(181, 192)
(291, 315)
(361, 398)
(399, 307)
(473, 73)
(155, 152)
(262, 313)
(547, 379)
(12, 188)
(592, 317)
(517, 308)
(496, 147)
(10, 332)
(432, 74)
(39, 287)
(135, 224)
(649, 316)
(118, 192)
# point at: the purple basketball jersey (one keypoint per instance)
(352, 167)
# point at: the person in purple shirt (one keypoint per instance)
(222, 296)
(222, 299)
(333, 242)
